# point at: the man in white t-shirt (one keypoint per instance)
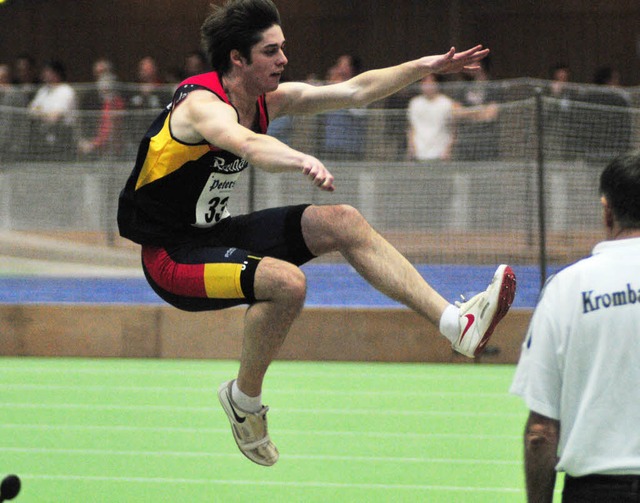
(430, 115)
(53, 110)
(578, 371)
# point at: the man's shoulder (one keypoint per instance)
(567, 275)
(590, 268)
(209, 82)
(204, 79)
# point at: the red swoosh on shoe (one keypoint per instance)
(470, 319)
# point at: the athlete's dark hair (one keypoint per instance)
(238, 24)
(620, 185)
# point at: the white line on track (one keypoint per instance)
(298, 457)
(283, 432)
(287, 410)
(336, 371)
(273, 483)
(211, 390)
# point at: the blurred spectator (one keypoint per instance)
(91, 98)
(479, 139)
(8, 91)
(607, 76)
(148, 72)
(434, 119)
(396, 120)
(5, 77)
(195, 63)
(430, 117)
(25, 71)
(10, 95)
(14, 123)
(149, 93)
(107, 138)
(560, 76)
(173, 76)
(313, 79)
(606, 123)
(25, 74)
(53, 112)
(345, 67)
(102, 67)
(559, 112)
(344, 130)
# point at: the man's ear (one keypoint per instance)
(236, 58)
(607, 214)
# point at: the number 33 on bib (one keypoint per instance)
(212, 203)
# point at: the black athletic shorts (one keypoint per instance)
(601, 489)
(217, 270)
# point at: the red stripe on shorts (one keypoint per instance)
(175, 278)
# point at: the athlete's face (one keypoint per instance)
(268, 59)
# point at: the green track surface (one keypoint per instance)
(111, 430)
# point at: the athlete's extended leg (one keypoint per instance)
(342, 228)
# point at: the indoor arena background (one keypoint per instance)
(520, 187)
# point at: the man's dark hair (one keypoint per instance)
(620, 185)
(558, 66)
(356, 64)
(603, 75)
(27, 57)
(238, 24)
(57, 67)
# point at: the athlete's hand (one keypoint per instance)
(320, 176)
(454, 62)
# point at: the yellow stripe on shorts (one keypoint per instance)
(222, 281)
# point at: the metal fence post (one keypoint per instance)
(542, 224)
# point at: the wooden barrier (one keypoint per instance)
(391, 335)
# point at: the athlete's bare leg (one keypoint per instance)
(342, 228)
(280, 288)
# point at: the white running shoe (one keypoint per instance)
(481, 313)
(249, 430)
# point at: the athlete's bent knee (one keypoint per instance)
(348, 224)
(293, 286)
(280, 281)
(347, 213)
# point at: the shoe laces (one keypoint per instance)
(458, 303)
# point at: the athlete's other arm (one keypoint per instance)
(202, 115)
(301, 98)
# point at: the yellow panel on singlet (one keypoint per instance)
(166, 155)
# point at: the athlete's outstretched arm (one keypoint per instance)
(203, 116)
(300, 98)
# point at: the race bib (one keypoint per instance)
(212, 203)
